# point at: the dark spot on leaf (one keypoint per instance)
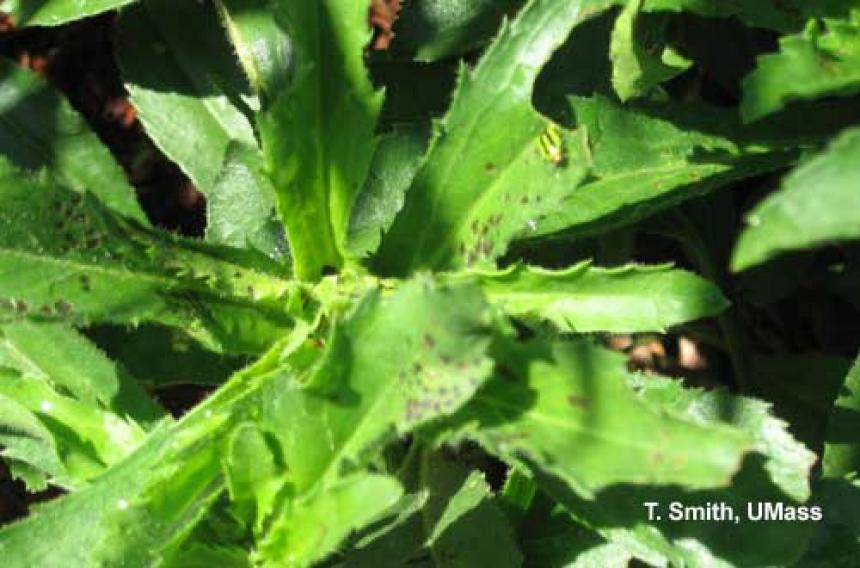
(579, 401)
(63, 308)
(429, 342)
(504, 372)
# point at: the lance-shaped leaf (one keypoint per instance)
(69, 362)
(190, 95)
(567, 409)
(240, 209)
(40, 130)
(318, 134)
(391, 364)
(822, 61)
(67, 258)
(143, 508)
(644, 161)
(394, 363)
(185, 83)
(585, 299)
(310, 528)
(818, 204)
(397, 158)
(641, 60)
(777, 472)
(84, 438)
(484, 160)
(56, 12)
(455, 521)
(69, 412)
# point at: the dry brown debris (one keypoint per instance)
(383, 14)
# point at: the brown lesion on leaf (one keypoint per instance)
(383, 14)
(579, 401)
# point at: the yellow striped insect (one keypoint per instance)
(551, 145)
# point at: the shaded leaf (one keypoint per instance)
(39, 129)
(818, 204)
(56, 12)
(822, 61)
(641, 59)
(185, 83)
(394, 165)
(241, 206)
(567, 409)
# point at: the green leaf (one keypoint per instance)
(394, 165)
(193, 100)
(159, 356)
(586, 299)
(822, 61)
(86, 438)
(439, 29)
(240, 209)
(641, 60)
(318, 134)
(778, 472)
(818, 204)
(263, 48)
(29, 448)
(69, 412)
(553, 538)
(464, 524)
(780, 15)
(185, 83)
(842, 442)
(40, 130)
(837, 537)
(70, 363)
(392, 364)
(142, 509)
(454, 522)
(484, 158)
(567, 409)
(642, 161)
(63, 258)
(56, 12)
(312, 527)
(802, 388)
